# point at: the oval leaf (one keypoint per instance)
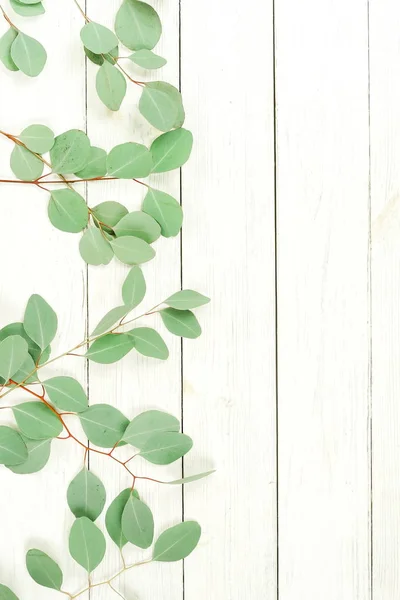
(86, 495)
(87, 544)
(110, 348)
(104, 425)
(27, 10)
(138, 224)
(71, 152)
(94, 248)
(165, 210)
(137, 522)
(171, 150)
(114, 518)
(114, 315)
(38, 457)
(37, 138)
(176, 543)
(137, 25)
(181, 322)
(186, 299)
(96, 165)
(18, 329)
(40, 321)
(25, 165)
(6, 593)
(43, 569)
(110, 86)
(166, 447)
(13, 354)
(37, 421)
(13, 450)
(6, 42)
(147, 424)
(28, 54)
(97, 38)
(67, 211)
(129, 161)
(109, 213)
(132, 250)
(190, 478)
(161, 104)
(149, 342)
(147, 59)
(66, 393)
(134, 288)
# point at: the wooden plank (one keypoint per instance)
(136, 383)
(228, 254)
(323, 330)
(385, 181)
(38, 258)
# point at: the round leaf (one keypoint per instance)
(138, 224)
(87, 544)
(134, 288)
(40, 321)
(166, 447)
(27, 371)
(86, 495)
(110, 86)
(43, 569)
(176, 543)
(110, 348)
(114, 518)
(110, 212)
(186, 299)
(38, 138)
(28, 54)
(149, 342)
(129, 161)
(13, 450)
(161, 104)
(147, 59)
(37, 421)
(67, 210)
(137, 522)
(181, 322)
(97, 38)
(147, 424)
(137, 25)
(96, 165)
(104, 425)
(114, 315)
(171, 150)
(27, 10)
(165, 210)
(71, 152)
(94, 248)
(6, 42)
(132, 250)
(38, 457)
(18, 329)
(25, 165)
(13, 354)
(6, 593)
(66, 393)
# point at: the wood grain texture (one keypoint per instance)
(36, 258)
(228, 253)
(385, 182)
(323, 304)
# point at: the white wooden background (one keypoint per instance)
(292, 226)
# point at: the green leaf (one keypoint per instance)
(18, 329)
(28, 1)
(13, 354)
(86, 495)
(87, 544)
(190, 478)
(43, 569)
(138, 224)
(110, 348)
(98, 59)
(129, 161)
(104, 425)
(186, 299)
(6, 593)
(66, 393)
(94, 248)
(161, 104)
(147, 424)
(67, 211)
(114, 315)
(27, 371)
(132, 250)
(147, 59)
(27, 10)
(38, 457)
(181, 322)
(149, 342)
(28, 54)
(171, 150)
(166, 447)
(97, 38)
(114, 518)
(71, 152)
(40, 321)
(37, 421)
(134, 288)
(25, 165)
(176, 543)
(37, 138)
(137, 522)
(137, 25)
(6, 42)
(109, 213)
(13, 450)
(110, 86)
(96, 165)
(165, 210)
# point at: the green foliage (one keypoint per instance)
(109, 212)
(190, 478)
(28, 54)
(96, 165)
(13, 354)
(176, 543)
(129, 161)
(25, 165)
(134, 288)
(147, 424)
(36, 421)
(149, 342)
(40, 321)
(66, 393)
(171, 150)
(132, 250)
(71, 152)
(161, 104)
(27, 9)
(86, 495)
(6, 41)
(147, 59)
(37, 138)
(43, 569)
(114, 315)
(165, 210)
(103, 425)
(6, 593)
(110, 86)
(114, 518)
(97, 38)
(87, 544)
(138, 224)
(110, 348)
(137, 25)
(13, 450)
(67, 211)
(186, 299)
(94, 247)
(38, 457)
(181, 322)
(166, 447)
(137, 522)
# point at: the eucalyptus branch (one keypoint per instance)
(7, 18)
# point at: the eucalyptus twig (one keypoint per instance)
(7, 18)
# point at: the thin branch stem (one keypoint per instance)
(7, 18)
(84, 15)
(111, 579)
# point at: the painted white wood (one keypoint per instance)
(136, 383)
(228, 253)
(323, 316)
(36, 258)
(385, 182)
